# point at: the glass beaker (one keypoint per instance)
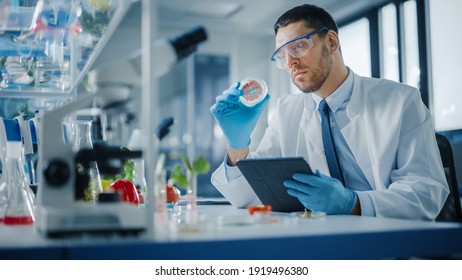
(81, 131)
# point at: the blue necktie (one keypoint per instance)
(328, 141)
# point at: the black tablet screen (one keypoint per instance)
(266, 176)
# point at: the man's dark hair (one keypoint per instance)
(314, 17)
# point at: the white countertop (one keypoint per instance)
(224, 225)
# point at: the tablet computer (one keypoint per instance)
(266, 176)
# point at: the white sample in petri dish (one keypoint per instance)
(255, 90)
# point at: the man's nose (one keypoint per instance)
(291, 61)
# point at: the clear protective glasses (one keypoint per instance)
(296, 48)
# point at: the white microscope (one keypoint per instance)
(58, 212)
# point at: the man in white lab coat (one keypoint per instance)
(374, 137)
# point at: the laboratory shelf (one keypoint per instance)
(54, 94)
(47, 47)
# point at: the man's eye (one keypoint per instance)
(298, 46)
(301, 45)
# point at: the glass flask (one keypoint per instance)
(139, 178)
(4, 193)
(255, 91)
(4, 190)
(21, 206)
(4, 199)
(81, 131)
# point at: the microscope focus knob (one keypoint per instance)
(57, 172)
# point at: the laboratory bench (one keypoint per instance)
(225, 232)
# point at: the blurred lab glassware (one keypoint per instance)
(191, 198)
(139, 179)
(4, 189)
(81, 135)
(52, 69)
(21, 206)
(68, 133)
(4, 197)
(160, 180)
(52, 74)
(15, 73)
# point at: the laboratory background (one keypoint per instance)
(99, 73)
(396, 40)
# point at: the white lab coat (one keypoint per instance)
(390, 133)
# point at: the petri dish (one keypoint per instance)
(270, 218)
(238, 220)
(310, 215)
(255, 90)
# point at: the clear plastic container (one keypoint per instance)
(255, 90)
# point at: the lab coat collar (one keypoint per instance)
(356, 103)
(338, 97)
(350, 88)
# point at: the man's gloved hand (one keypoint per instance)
(319, 192)
(235, 119)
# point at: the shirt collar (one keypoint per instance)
(342, 93)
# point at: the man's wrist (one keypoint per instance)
(357, 207)
(234, 155)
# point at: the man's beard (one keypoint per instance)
(318, 75)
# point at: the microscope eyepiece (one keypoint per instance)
(186, 43)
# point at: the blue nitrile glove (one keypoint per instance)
(235, 119)
(319, 192)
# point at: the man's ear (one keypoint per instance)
(333, 41)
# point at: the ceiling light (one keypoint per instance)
(215, 10)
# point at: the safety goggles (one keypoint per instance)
(296, 48)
